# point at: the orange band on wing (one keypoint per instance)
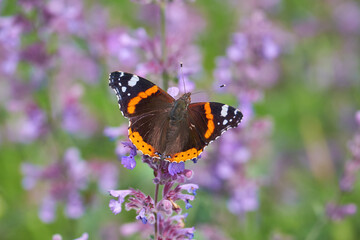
(184, 156)
(142, 95)
(210, 117)
(139, 143)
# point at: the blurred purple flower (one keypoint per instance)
(338, 212)
(347, 17)
(48, 209)
(10, 32)
(105, 173)
(66, 179)
(116, 132)
(63, 17)
(244, 199)
(35, 53)
(31, 174)
(27, 123)
(84, 236)
(212, 232)
(56, 237)
(250, 63)
(352, 166)
(75, 117)
(357, 117)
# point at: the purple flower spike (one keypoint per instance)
(175, 168)
(128, 162)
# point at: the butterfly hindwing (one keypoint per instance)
(211, 119)
(205, 122)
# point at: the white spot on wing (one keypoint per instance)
(134, 79)
(224, 110)
(225, 122)
(123, 89)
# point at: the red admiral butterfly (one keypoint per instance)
(162, 127)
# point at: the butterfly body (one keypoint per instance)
(165, 128)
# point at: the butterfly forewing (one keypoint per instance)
(136, 95)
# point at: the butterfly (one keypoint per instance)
(164, 128)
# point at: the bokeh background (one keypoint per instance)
(292, 67)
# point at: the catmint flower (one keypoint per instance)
(190, 188)
(115, 205)
(129, 161)
(175, 168)
(172, 228)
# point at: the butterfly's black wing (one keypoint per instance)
(146, 105)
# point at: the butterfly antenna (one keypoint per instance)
(212, 91)
(182, 75)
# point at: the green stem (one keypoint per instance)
(156, 200)
(165, 75)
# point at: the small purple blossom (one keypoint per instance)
(190, 188)
(175, 167)
(115, 205)
(129, 161)
(171, 228)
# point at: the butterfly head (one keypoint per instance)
(186, 99)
